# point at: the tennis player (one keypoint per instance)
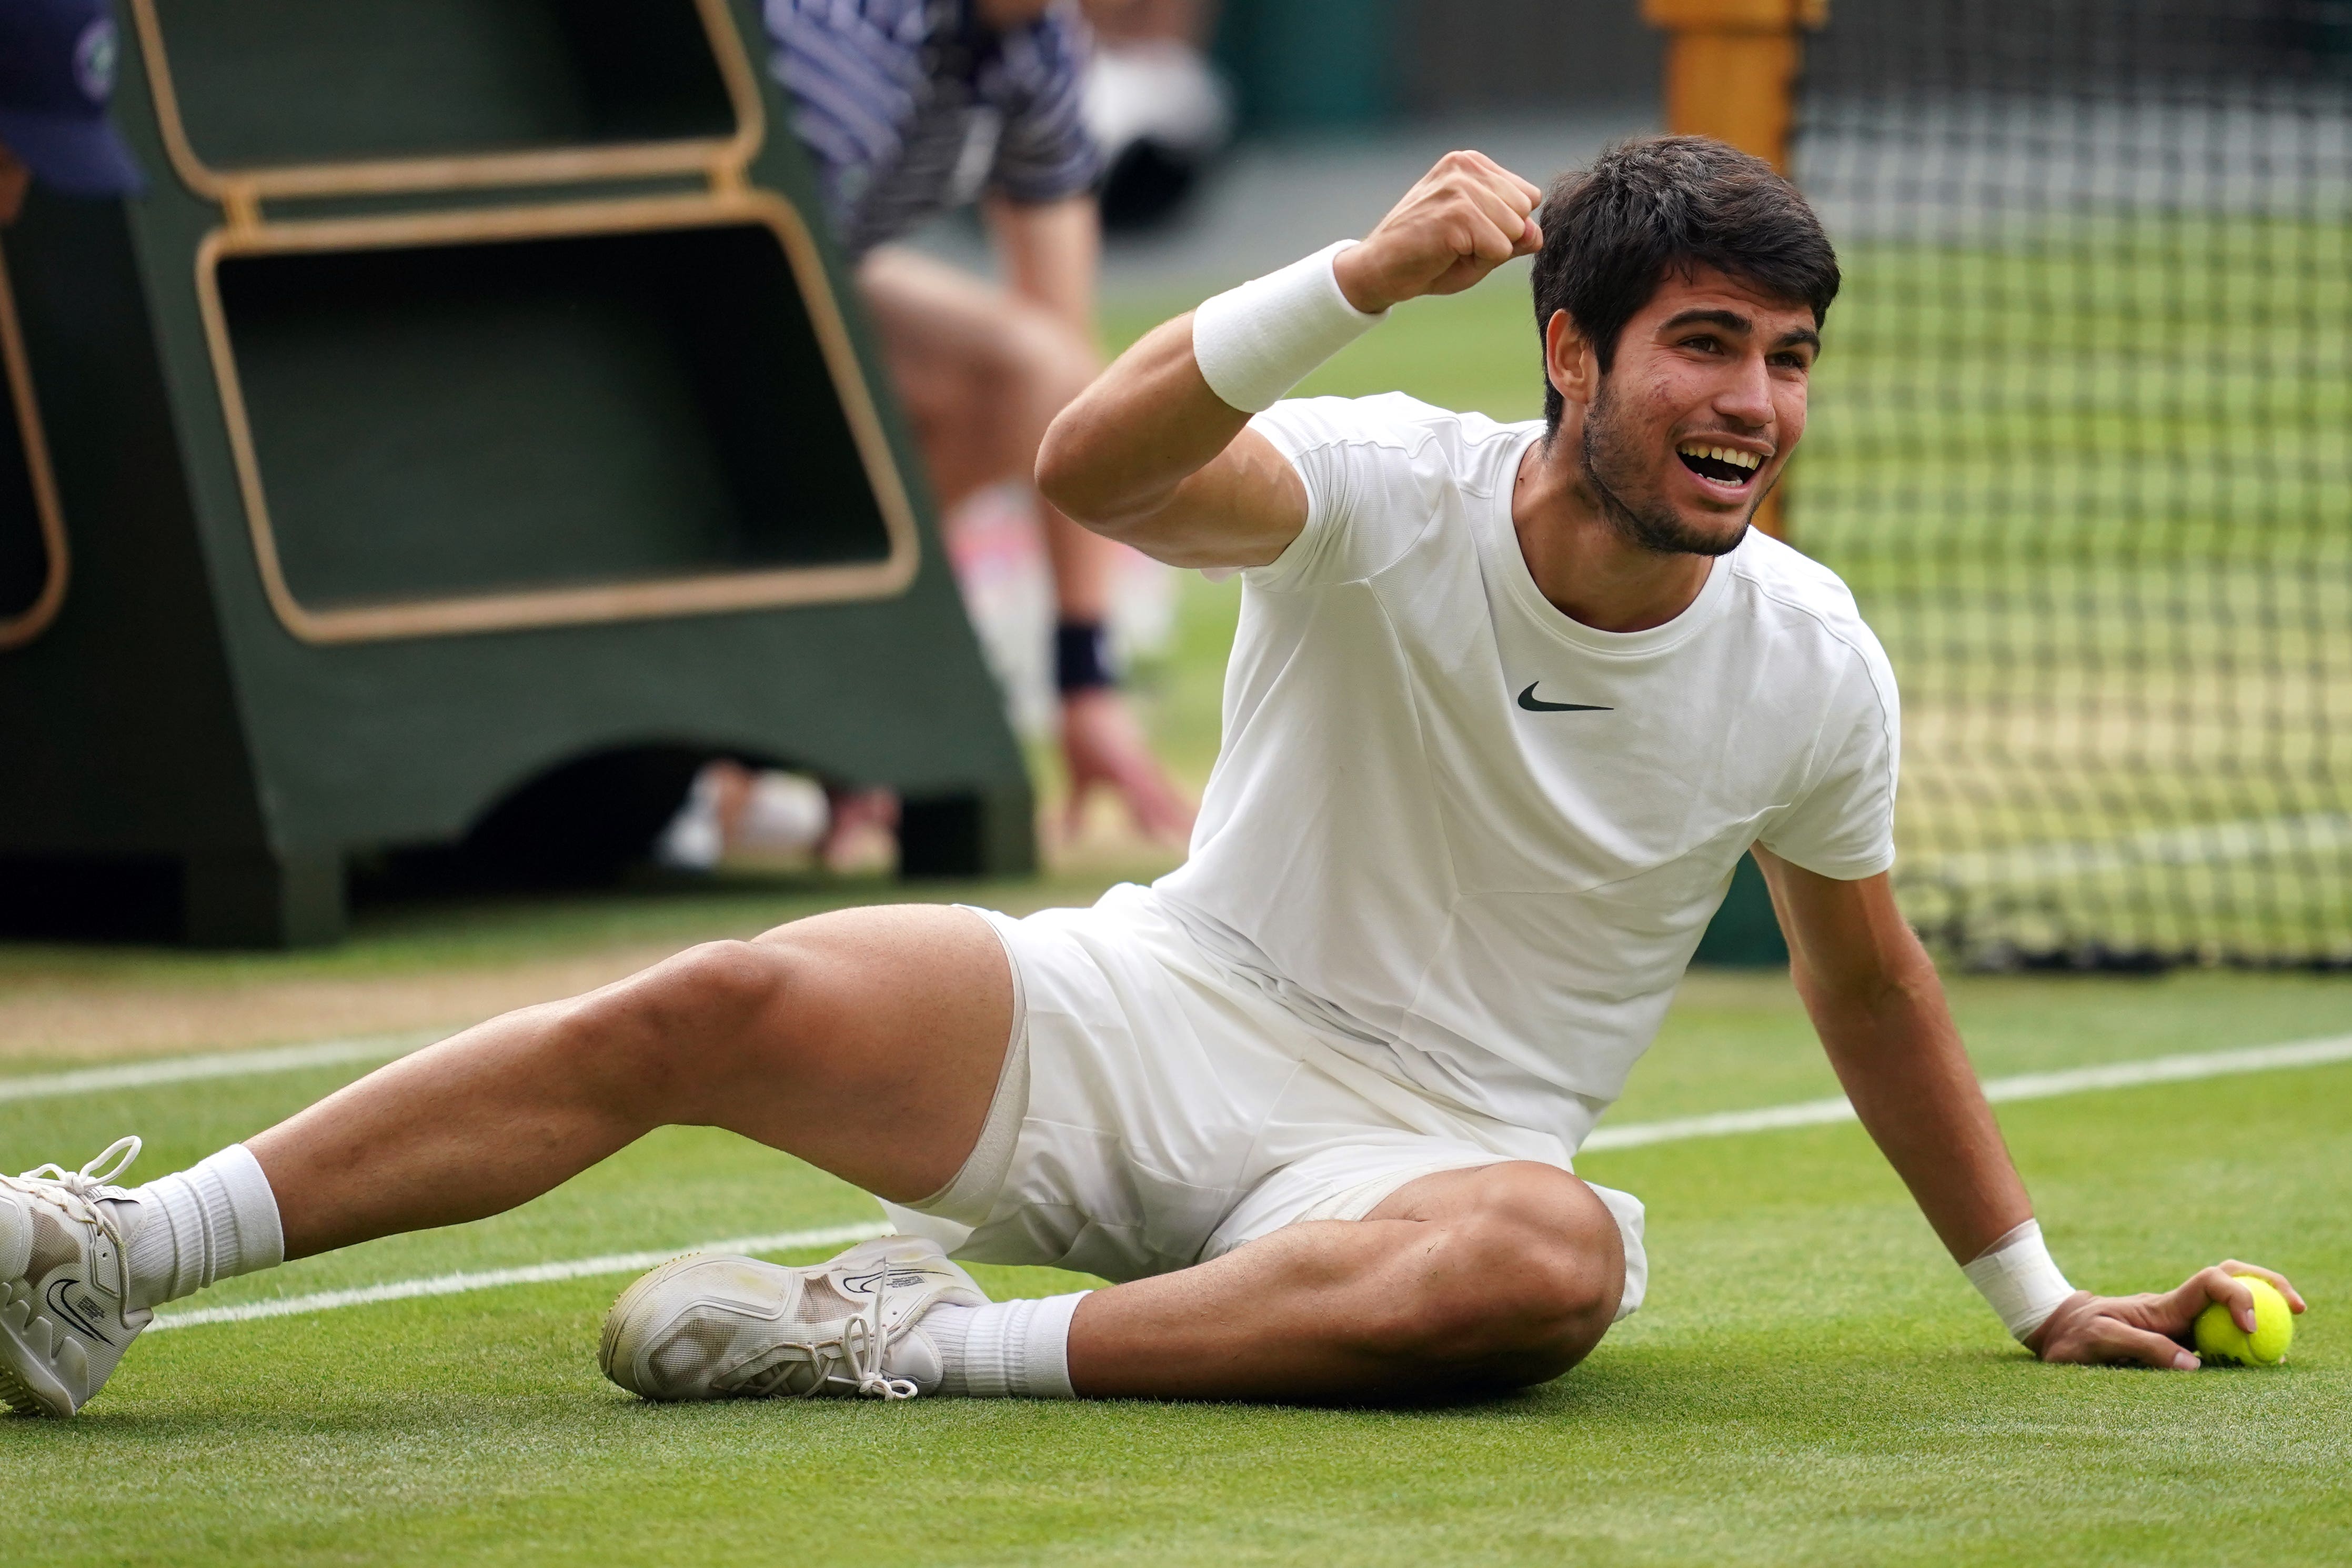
(1508, 704)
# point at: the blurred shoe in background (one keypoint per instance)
(1161, 113)
(995, 542)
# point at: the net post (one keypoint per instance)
(1731, 73)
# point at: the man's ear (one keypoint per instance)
(1568, 360)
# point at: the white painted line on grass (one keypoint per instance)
(491, 1278)
(2024, 1086)
(1805, 1113)
(1721, 1124)
(218, 1064)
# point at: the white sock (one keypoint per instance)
(1006, 1350)
(214, 1219)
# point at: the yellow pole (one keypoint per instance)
(1731, 73)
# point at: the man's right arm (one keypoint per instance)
(1150, 455)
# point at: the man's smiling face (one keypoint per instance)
(1699, 412)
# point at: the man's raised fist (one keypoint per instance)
(1463, 219)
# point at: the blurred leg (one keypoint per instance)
(982, 373)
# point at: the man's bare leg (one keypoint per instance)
(870, 1042)
(1460, 1282)
(867, 1042)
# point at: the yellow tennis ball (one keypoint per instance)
(2219, 1338)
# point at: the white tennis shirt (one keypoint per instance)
(1488, 899)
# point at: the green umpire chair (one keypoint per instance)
(468, 433)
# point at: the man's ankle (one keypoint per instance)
(1006, 1350)
(216, 1219)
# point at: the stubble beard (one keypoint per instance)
(1606, 456)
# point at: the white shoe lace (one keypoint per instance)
(859, 1349)
(77, 1195)
(90, 1182)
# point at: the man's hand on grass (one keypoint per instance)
(2150, 1329)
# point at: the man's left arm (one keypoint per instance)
(1876, 1000)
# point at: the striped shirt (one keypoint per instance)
(913, 107)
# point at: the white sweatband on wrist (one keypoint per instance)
(1255, 342)
(2018, 1277)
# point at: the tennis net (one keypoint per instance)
(2082, 443)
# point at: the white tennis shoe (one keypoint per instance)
(711, 1326)
(65, 1283)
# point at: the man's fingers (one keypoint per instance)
(1496, 244)
(1517, 194)
(1509, 222)
(1532, 194)
(2294, 1301)
(1465, 217)
(2215, 1284)
(1477, 238)
(1505, 201)
(1469, 160)
(2117, 1341)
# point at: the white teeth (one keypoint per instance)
(1737, 459)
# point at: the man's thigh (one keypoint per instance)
(878, 1050)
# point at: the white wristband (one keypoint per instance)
(1258, 341)
(2018, 1277)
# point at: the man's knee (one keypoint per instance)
(668, 1039)
(1520, 1283)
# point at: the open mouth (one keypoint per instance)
(1724, 465)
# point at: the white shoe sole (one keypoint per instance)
(26, 1385)
(610, 1352)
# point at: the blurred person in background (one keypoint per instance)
(1156, 106)
(56, 75)
(910, 109)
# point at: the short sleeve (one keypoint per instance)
(1362, 461)
(1044, 152)
(1843, 826)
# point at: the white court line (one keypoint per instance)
(491, 1278)
(218, 1064)
(2024, 1086)
(1805, 1113)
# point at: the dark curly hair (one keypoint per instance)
(1671, 204)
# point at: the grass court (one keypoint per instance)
(1811, 1382)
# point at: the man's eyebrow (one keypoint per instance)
(1729, 320)
(1733, 321)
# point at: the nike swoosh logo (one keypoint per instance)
(1534, 704)
(898, 1278)
(62, 1303)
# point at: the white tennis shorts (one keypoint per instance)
(1158, 1110)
